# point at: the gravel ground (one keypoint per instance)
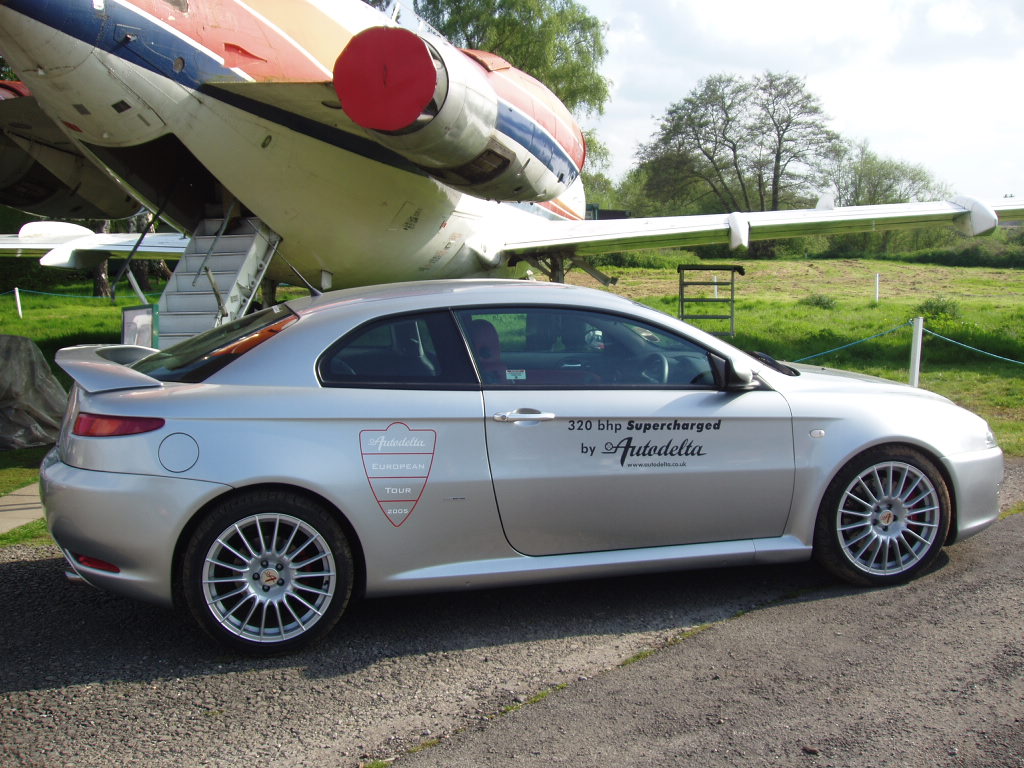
(927, 674)
(90, 679)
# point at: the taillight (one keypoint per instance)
(95, 425)
(95, 562)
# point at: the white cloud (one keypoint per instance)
(930, 82)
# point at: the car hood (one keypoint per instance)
(833, 380)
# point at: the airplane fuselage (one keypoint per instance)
(244, 92)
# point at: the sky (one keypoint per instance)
(930, 82)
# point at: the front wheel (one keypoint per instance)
(267, 571)
(884, 517)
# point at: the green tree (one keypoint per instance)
(556, 41)
(856, 175)
(736, 144)
(600, 188)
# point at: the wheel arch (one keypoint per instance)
(929, 453)
(358, 558)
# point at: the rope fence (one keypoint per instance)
(18, 292)
(23, 291)
(854, 343)
(917, 324)
(973, 349)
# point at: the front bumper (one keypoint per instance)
(131, 521)
(977, 478)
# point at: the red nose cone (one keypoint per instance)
(385, 78)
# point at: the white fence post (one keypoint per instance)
(915, 352)
(878, 282)
(17, 301)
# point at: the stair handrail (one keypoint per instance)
(209, 252)
(273, 243)
(138, 244)
(222, 309)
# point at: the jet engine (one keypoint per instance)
(467, 118)
(47, 180)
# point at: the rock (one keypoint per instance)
(32, 401)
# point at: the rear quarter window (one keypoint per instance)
(203, 355)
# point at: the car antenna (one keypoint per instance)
(313, 291)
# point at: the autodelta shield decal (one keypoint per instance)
(397, 462)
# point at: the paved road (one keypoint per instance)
(796, 670)
(928, 674)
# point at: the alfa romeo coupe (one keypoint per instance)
(466, 434)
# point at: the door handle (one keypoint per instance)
(523, 414)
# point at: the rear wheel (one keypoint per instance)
(884, 517)
(267, 571)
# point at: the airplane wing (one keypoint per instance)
(63, 244)
(590, 238)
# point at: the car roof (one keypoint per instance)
(461, 292)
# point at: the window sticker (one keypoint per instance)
(515, 375)
(397, 463)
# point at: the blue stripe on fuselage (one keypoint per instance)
(537, 141)
(130, 35)
(133, 36)
(155, 48)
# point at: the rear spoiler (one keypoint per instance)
(104, 367)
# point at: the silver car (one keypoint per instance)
(462, 434)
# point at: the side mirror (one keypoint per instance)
(738, 377)
(730, 376)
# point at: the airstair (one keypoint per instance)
(216, 279)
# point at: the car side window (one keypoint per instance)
(554, 347)
(404, 351)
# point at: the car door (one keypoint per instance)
(401, 409)
(607, 433)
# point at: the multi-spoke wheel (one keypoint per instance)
(267, 571)
(884, 517)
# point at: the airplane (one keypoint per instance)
(362, 146)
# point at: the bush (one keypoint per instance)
(663, 259)
(939, 308)
(976, 252)
(818, 300)
(26, 273)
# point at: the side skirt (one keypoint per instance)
(523, 569)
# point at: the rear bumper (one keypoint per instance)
(977, 478)
(130, 521)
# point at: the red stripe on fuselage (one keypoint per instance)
(237, 34)
(557, 208)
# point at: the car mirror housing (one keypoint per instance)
(732, 376)
(739, 376)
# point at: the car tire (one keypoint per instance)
(267, 571)
(884, 517)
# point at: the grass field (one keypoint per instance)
(796, 309)
(789, 309)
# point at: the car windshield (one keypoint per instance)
(203, 355)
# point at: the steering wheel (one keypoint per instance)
(654, 368)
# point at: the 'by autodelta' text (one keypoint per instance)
(627, 449)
